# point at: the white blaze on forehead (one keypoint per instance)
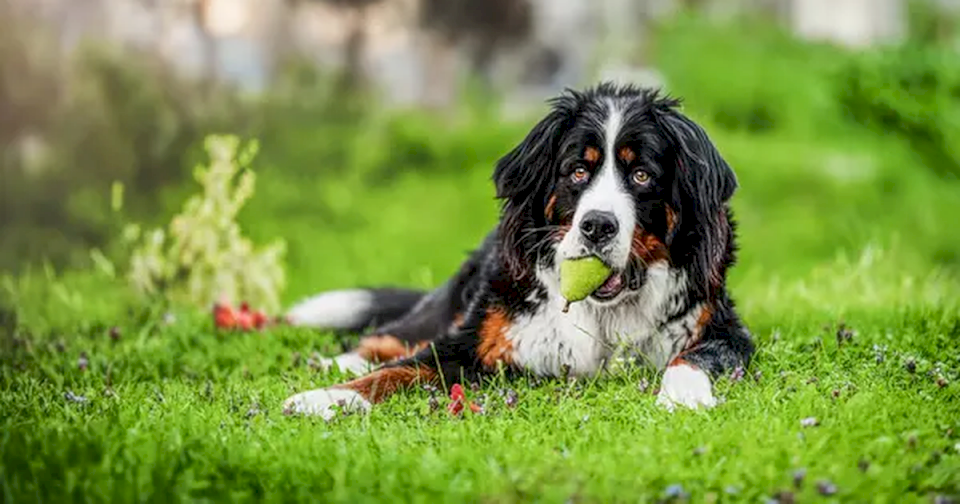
(607, 192)
(611, 131)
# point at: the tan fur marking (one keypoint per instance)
(671, 219)
(494, 345)
(548, 211)
(385, 348)
(381, 384)
(706, 314)
(627, 155)
(647, 247)
(591, 154)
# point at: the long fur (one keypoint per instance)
(662, 190)
(708, 181)
(523, 180)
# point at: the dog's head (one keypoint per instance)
(620, 173)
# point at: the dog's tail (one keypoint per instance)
(354, 310)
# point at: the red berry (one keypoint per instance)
(245, 320)
(224, 316)
(456, 407)
(457, 397)
(259, 320)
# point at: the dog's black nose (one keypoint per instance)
(598, 227)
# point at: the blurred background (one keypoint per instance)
(379, 121)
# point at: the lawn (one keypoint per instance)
(847, 278)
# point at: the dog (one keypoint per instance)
(612, 171)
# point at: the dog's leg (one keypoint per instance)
(724, 345)
(435, 314)
(432, 317)
(451, 359)
(360, 394)
(373, 350)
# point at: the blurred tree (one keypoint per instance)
(356, 43)
(200, 10)
(484, 26)
(73, 123)
(932, 23)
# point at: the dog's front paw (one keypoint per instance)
(325, 403)
(687, 386)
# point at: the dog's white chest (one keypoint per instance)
(588, 336)
(548, 341)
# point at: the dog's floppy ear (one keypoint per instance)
(703, 185)
(524, 178)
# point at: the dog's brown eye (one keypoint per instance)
(580, 174)
(641, 177)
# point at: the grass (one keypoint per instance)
(838, 231)
(187, 415)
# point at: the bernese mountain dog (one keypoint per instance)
(613, 171)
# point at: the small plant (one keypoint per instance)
(202, 257)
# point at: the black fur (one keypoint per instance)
(689, 178)
(524, 179)
(434, 314)
(390, 304)
(704, 183)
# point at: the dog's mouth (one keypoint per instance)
(622, 281)
(619, 282)
(611, 288)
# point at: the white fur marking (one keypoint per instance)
(590, 334)
(340, 309)
(325, 403)
(612, 129)
(606, 193)
(347, 363)
(548, 340)
(687, 386)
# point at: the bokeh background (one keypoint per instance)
(379, 121)
(368, 131)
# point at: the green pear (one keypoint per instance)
(580, 277)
